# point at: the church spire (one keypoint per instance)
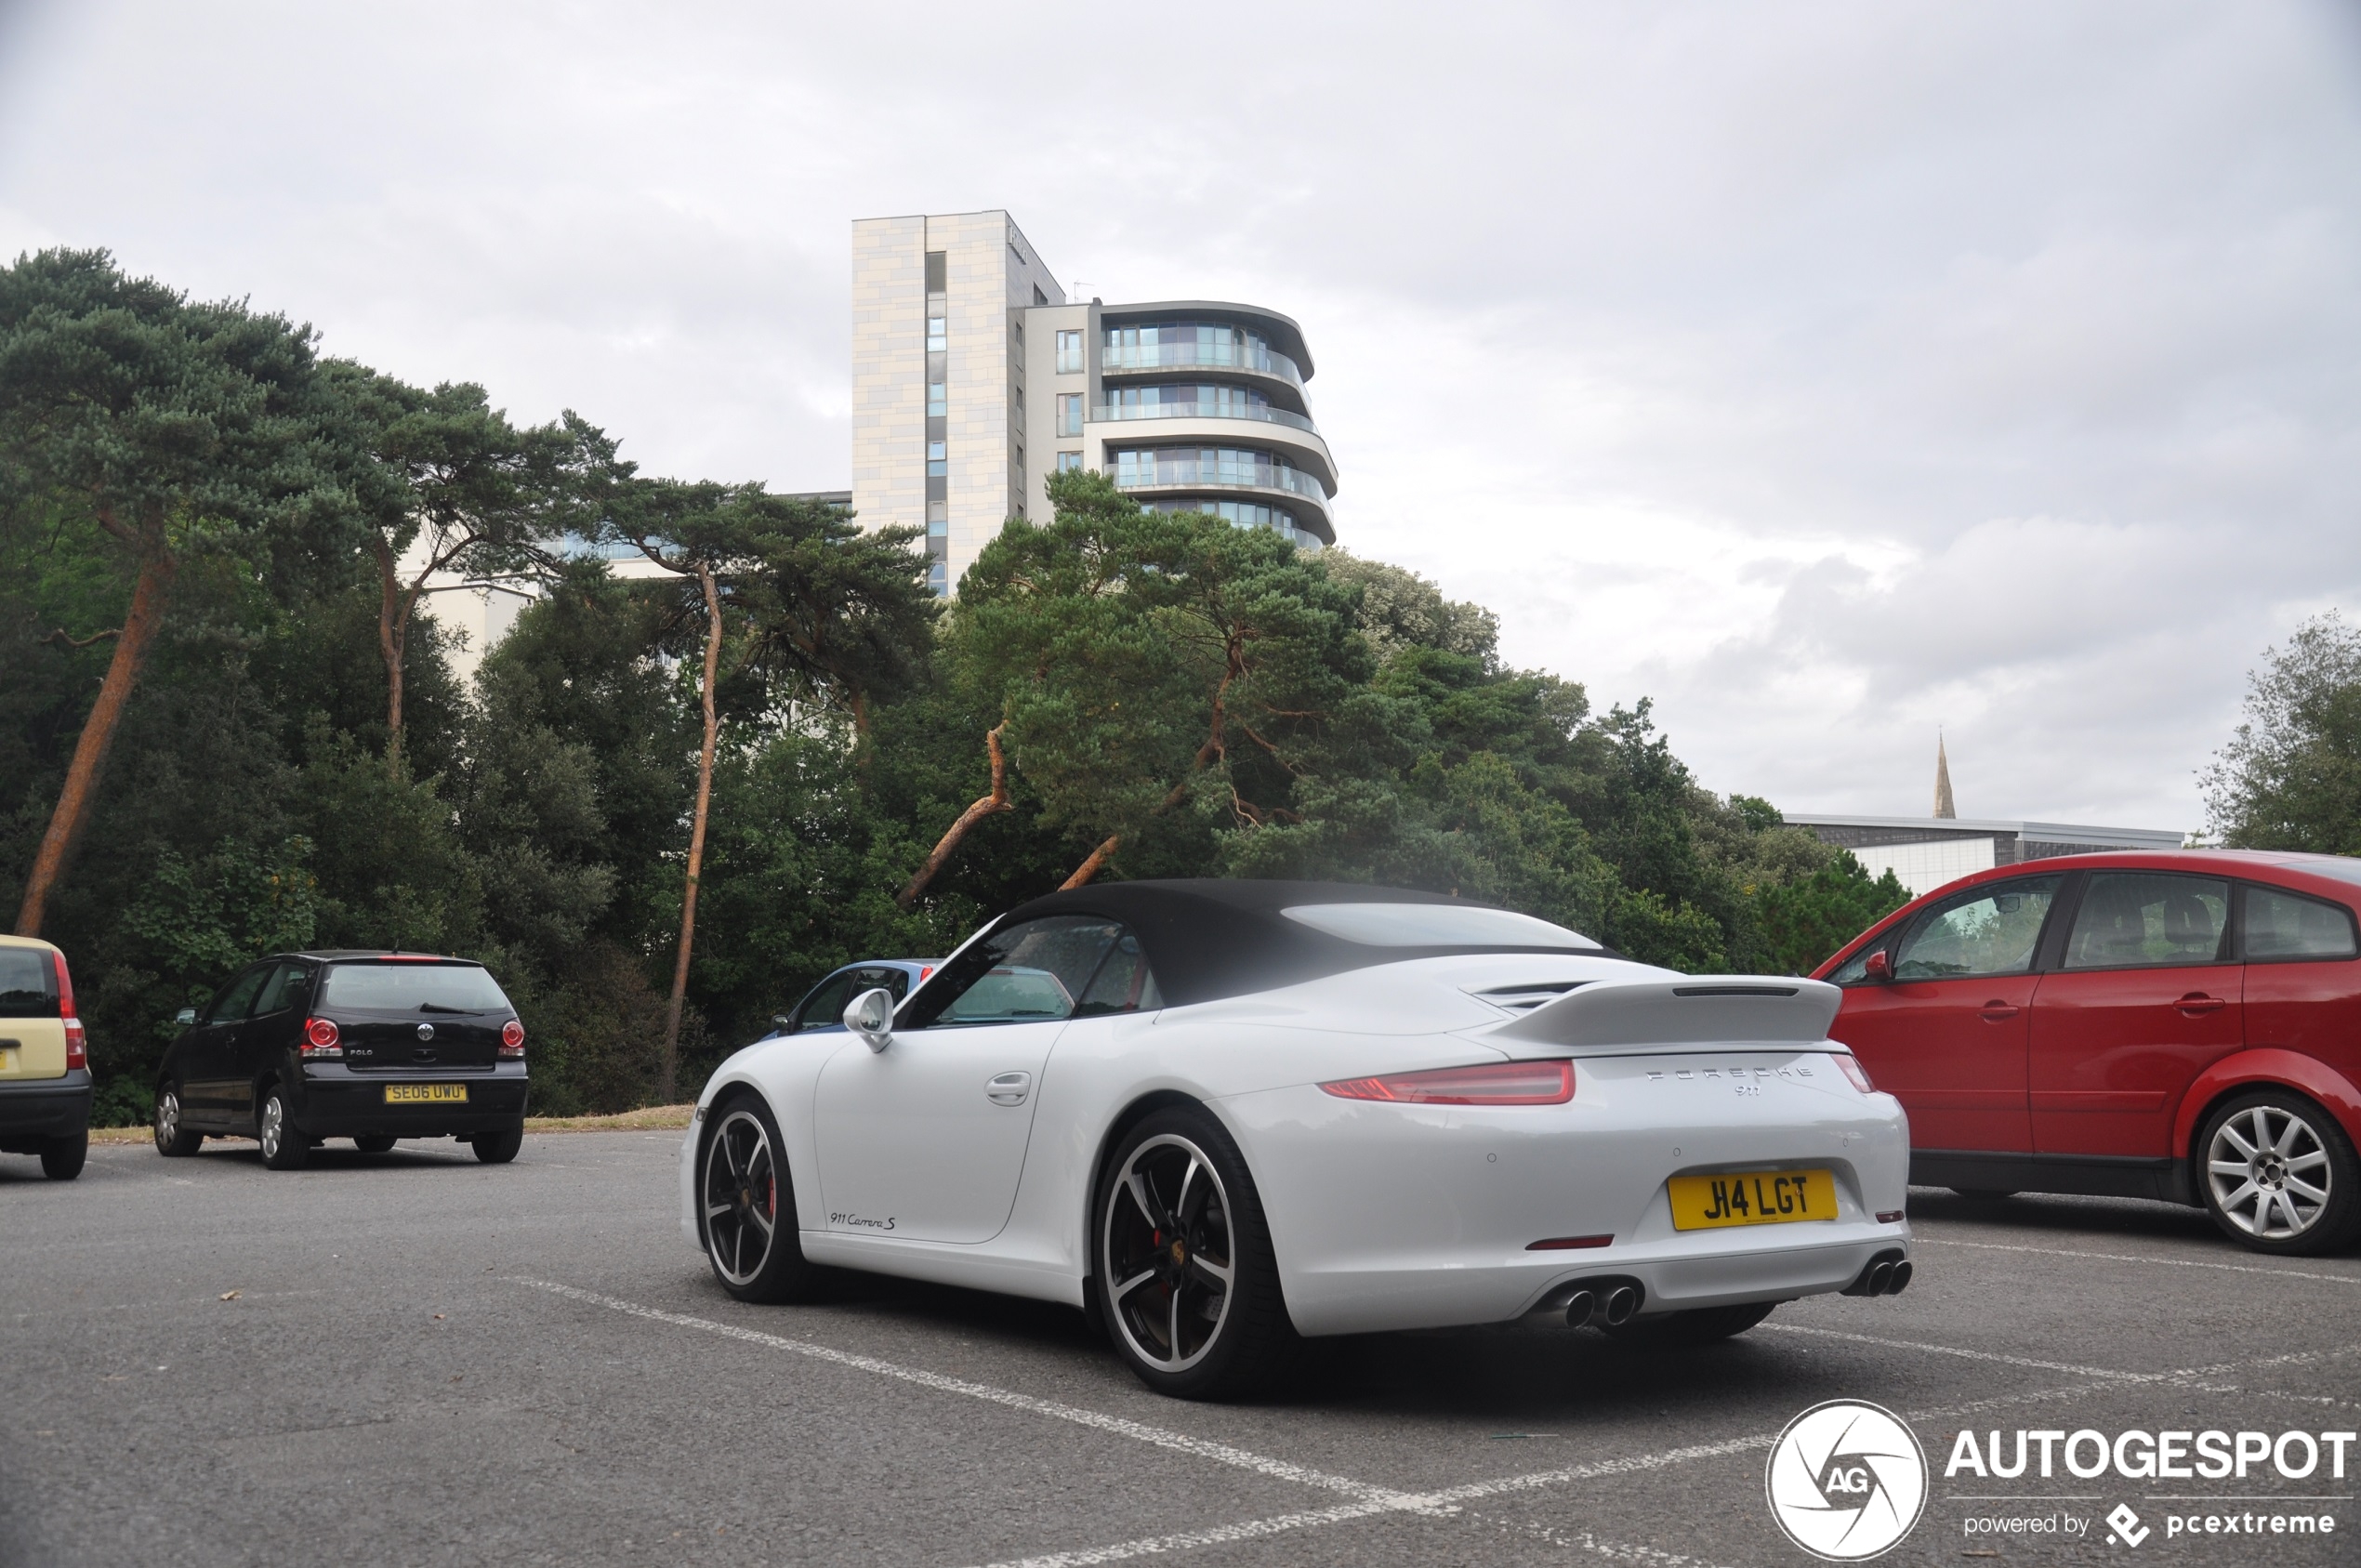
(1942, 806)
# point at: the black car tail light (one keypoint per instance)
(512, 1039)
(77, 1043)
(320, 1038)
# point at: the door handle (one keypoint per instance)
(2197, 1002)
(1007, 1088)
(1997, 1011)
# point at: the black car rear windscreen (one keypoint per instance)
(397, 987)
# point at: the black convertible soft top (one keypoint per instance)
(1207, 938)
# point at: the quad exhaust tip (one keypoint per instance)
(1610, 1301)
(1886, 1274)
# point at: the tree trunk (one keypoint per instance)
(696, 839)
(393, 634)
(158, 566)
(990, 804)
(1092, 867)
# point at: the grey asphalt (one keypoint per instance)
(430, 1361)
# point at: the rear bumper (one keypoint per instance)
(34, 1111)
(335, 1101)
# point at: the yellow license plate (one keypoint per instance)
(1751, 1197)
(7, 1061)
(425, 1094)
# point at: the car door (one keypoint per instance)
(210, 1092)
(2146, 994)
(926, 1139)
(1946, 1035)
(268, 1033)
(2301, 978)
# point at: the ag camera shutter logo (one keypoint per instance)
(1846, 1480)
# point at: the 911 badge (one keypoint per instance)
(1846, 1480)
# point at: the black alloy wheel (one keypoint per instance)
(282, 1147)
(1186, 1278)
(374, 1144)
(2278, 1174)
(61, 1158)
(173, 1140)
(748, 1207)
(1697, 1325)
(496, 1148)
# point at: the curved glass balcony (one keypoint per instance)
(1227, 407)
(1142, 467)
(1245, 514)
(1181, 344)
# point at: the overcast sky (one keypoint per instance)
(1826, 373)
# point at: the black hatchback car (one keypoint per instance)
(374, 1046)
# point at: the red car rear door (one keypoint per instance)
(2303, 985)
(2146, 994)
(1946, 1035)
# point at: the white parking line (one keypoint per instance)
(1219, 1452)
(1969, 1355)
(2131, 1257)
(1442, 1502)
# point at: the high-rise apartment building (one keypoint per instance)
(975, 378)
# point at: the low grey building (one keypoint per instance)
(1925, 852)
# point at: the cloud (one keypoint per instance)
(1827, 373)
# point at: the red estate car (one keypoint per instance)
(2177, 1025)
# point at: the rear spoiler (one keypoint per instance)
(1616, 1017)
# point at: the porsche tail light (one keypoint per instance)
(321, 1039)
(1491, 1083)
(512, 1039)
(77, 1043)
(1849, 1065)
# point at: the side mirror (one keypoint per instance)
(870, 1015)
(783, 1023)
(1878, 965)
(185, 1016)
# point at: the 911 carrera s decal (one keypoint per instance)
(856, 1222)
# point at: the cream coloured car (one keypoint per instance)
(45, 1063)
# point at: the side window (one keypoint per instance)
(1039, 971)
(2132, 919)
(237, 1001)
(824, 1006)
(2285, 925)
(1989, 931)
(290, 986)
(1123, 984)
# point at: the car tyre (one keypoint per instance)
(2278, 1174)
(374, 1144)
(495, 1148)
(61, 1158)
(174, 1140)
(1182, 1270)
(283, 1148)
(1697, 1325)
(747, 1207)
(1985, 1194)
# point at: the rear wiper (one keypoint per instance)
(436, 1008)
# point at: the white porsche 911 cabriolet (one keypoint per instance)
(1218, 1114)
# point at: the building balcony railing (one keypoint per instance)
(1178, 475)
(1205, 411)
(1227, 356)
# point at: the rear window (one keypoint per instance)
(28, 983)
(1433, 924)
(446, 988)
